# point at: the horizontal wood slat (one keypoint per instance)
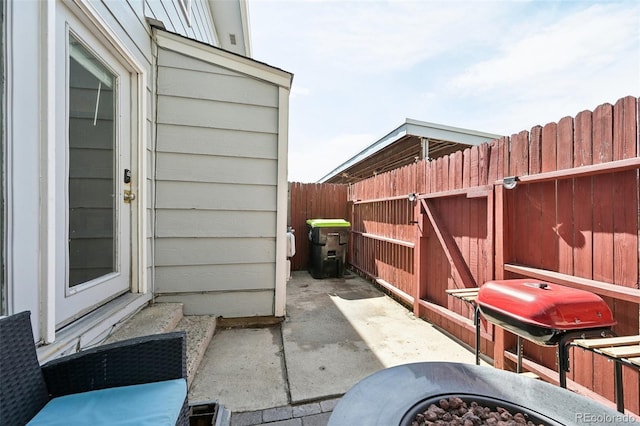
(582, 171)
(598, 287)
(389, 240)
(459, 291)
(622, 351)
(466, 295)
(607, 342)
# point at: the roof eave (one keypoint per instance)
(418, 128)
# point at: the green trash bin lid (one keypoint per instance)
(328, 223)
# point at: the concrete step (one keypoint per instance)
(166, 317)
(200, 330)
(154, 319)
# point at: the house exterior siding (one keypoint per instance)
(216, 187)
(36, 170)
(200, 26)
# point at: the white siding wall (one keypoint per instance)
(31, 250)
(200, 26)
(24, 112)
(242, 112)
(216, 188)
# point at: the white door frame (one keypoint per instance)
(85, 290)
(50, 263)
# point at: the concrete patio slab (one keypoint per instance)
(242, 369)
(338, 331)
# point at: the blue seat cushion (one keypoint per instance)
(147, 404)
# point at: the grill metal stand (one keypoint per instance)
(565, 344)
(469, 295)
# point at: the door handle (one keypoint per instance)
(129, 196)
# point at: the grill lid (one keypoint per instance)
(546, 305)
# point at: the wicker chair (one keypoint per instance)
(26, 387)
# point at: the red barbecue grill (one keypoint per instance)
(545, 313)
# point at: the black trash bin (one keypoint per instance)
(328, 251)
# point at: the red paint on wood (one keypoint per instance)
(583, 230)
(583, 142)
(474, 215)
(483, 164)
(519, 160)
(444, 182)
(466, 177)
(460, 272)
(564, 209)
(474, 162)
(549, 253)
(463, 231)
(548, 145)
(603, 267)
(565, 143)
(540, 238)
(503, 157)
(458, 163)
(494, 159)
(602, 138)
(502, 339)
(625, 235)
(535, 150)
(454, 172)
(483, 241)
(626, 144)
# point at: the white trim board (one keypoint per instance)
(223, 58)
(282, 202)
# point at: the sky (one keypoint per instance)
(362, 67)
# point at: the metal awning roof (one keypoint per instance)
(411, 141)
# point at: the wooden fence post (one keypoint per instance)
(502, 339)
(419, 256)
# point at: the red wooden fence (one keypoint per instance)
(572, 219)
(310, 201)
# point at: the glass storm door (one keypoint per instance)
(97, 132)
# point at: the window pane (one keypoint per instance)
(92, 182)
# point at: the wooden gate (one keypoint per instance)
(311, 201)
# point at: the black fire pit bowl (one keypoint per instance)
(394, 396)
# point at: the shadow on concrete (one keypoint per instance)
(336, 333)
(324, 354)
